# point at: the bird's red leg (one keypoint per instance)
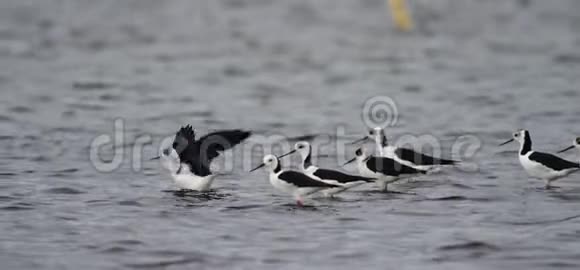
(299, 203)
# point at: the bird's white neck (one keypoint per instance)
(275, 167)
(170, 163)
(306, 159)
(379, 145)
(361, 159)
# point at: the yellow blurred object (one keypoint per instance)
(400, 14)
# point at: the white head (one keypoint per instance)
(376, 134)
(271, 162)
(575, 144)
(360, 156)
(169, 159)
(169, 156)
(303, 148)
(379, 136)
(523, 137)
(520, 136)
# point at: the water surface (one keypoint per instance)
(69, 69)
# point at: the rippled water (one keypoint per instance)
(479, 68)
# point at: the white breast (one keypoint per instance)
(537, 170)
(281, 185)
(171, 161)
(364, 171)
(193, 182)
(389, 151)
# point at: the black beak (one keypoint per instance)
(260, 166)
(510, 140)
(562, 151)
(360, 140)
(165, 153)
(350, 161)
(289, 153)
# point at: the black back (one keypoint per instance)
(421, 159)
(198, 154)
(278, 167)
(553, 162)
(384, 142)
(339, 176)
(390, 167)
(308, 160)
(527, 146)
(301, 180)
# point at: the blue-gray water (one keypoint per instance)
(69, 69)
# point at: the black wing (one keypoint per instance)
(390, 167)
(421, 159)
(184, 138)
(339, 176)
(553, 162)
(199, 154)
(302, 180)
(211, 144)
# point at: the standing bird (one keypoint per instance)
(539, 165)
(576, 145)
(403, 155)
(189, 159)
(295, 183)
(385, 170)
(345, 181)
